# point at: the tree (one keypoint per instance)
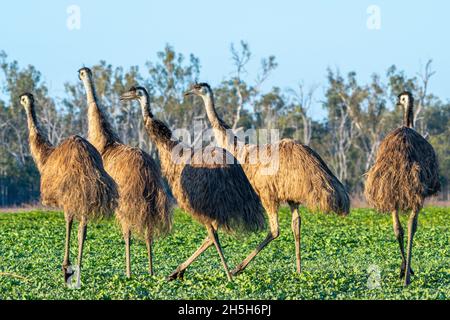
(247, 94)
(359, 115)
(302, 101)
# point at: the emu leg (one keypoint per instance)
(179, 272)
(273, 234)
(213, 235)
(399, 234)
(66, 267)
(412, 228)
(82, 229)
(127, 238)
(296, 230)
(149, 242)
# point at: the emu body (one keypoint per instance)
(72, 179)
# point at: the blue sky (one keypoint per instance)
(305, 36)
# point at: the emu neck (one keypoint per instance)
(222, 132)
(159, 133)
(40, 147)
(161, 136)
(144, 101)
(100, 133)
(409, 116)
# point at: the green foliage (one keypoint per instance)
(338, 254)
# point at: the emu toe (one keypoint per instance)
(177, 275)
(236, 272)
(407, 281)
(402, 271)
(68, 273)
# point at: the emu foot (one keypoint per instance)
(68, 273)
(237, 271)
(176, 275)
(407, 281)
(403, 271)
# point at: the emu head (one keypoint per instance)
(199, 89)
(140, 94)
(84, 73)
(134, 93)
(27, 101)
(405, 100)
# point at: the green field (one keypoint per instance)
(338, 256)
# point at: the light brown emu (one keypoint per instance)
(72, 179)
(405, 172)
(300, 177)
(207, 183)
(144, 207)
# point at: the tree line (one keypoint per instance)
(358, 115)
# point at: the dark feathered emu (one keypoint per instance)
(216, 193)
(404, 174)
(299, 177)
(144, 207)
(72, 179)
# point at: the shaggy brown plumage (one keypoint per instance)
(72, 179)
(405, 172)
(144, 207)
(150, 206)
(302, 177)
(218, 194)
(215, 193)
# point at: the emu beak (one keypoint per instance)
(127, 96)
(189, 93)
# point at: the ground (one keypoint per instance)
(356, 257)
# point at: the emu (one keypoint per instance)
(144, 207)
(405, 172)
(302, 177)
(72, 179)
